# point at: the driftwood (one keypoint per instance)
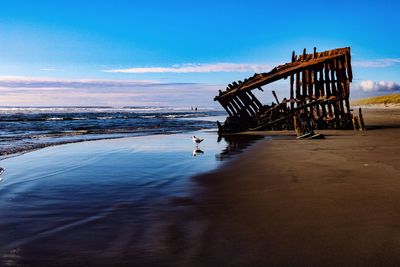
(318, 97)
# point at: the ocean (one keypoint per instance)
(26, 128)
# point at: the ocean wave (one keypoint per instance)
(31, 128)
(105, 118)
(99, 109)
(190, 115)
(38, 119)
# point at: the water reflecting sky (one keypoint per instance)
(79, 199)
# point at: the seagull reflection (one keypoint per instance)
(197, 151)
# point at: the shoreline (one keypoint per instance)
(284, 133)
(66, 142)
(28, 129)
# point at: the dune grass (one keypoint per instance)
(392, 99)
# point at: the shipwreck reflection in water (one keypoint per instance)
(236, 144)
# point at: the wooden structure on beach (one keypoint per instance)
(319, 95)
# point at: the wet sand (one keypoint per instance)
(286, 202)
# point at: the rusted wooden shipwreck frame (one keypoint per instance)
(319, 96)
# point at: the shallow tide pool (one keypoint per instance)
(103, 196)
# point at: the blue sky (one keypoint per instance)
(103, 52)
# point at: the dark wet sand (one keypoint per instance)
(332, 202)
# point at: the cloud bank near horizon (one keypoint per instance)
(197, 68)
(381, 86)
(26, 91)
(29, 91)
(33, 82)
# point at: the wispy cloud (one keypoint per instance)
(63, 92)
(33, 82)
(197, 68)
(382, 86)
(48, 69)
(239, 67)
(377, 63)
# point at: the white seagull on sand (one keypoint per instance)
(196, 140)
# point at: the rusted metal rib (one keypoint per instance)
(319, 91)
(285, 70)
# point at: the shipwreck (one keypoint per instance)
(318, 97)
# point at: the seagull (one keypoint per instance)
(196, 140)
